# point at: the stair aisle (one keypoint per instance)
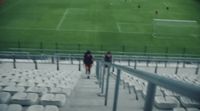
(84, 97)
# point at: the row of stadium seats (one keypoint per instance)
(39, 90)
(164, 99)
(28, 99)
(17, 107)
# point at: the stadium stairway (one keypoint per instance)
(84, 97)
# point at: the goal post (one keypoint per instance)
(170, 27)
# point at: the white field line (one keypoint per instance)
(167, 38)
(74, 30)
(128, 23)
(164, 3)
(62, 19)
(118, 27)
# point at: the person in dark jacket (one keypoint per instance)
(108, 57)
(88, 61)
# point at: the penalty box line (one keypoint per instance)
(62, 19)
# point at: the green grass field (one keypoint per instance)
(114, 25)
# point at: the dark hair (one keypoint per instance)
(88, 52)
(108, 52)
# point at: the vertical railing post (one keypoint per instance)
(184, 63)
(113, 68)
(56, 47)
(116, 90)
(97, 70)
(14, 62)
(52, 59)
(71, 59)
(147, 62)
(184, 51)
(177, 66)
(102, 83)
(79, 64)
(197, 69)
(57, 61)
(156, 68)
(107, 85)
(41, 46)
(35, 62)
(129, 62)
(100, 74)
(135, 65)
(165, 63)
(151, 89)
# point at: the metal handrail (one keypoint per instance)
(186, 89)
(102, 52)
(115, 57)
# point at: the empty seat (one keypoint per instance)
(4, 97)
(11, 107)
(178, 109)
(13, 89)
(65, 91)
(3, 107)
(25, 98)
(35, 108)
(14, 107)
(158, 92)
(193, 109)
(186, 102)
(39, 90)
(7, 83)
(42, 108)
(53, 99)
(166, 103)
(51, 108)
(26, 84)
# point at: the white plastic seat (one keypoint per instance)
(11, 107)
(14, 89)
(39, 90)
(3, 107)
(14, 107)
(53, 99)
(178, 109)
(26, 84)
(186, 102)
(166, 103)
(193, 109)
(4, 97)
(25, 98)
(51, 108)
(42, 108)
(54, 90)
(7, 83)
(158, 93)
(35, 108)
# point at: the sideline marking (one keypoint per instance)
(74, 30)
(62, 19)
(118, 27)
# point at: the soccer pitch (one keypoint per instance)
(114, 25)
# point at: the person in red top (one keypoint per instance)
(88, 61)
